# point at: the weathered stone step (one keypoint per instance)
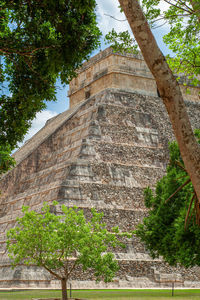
(119, 152)
(129, 175)
(52, 126)
(130, 268)
(121, 115)
(130, 134)
(126, 219)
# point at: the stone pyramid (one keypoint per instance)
(100, 153)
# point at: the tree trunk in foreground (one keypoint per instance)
(64, 288)
(168, 88)
(196, 7)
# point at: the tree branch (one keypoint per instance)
(184, 4)
(72, 268)
(188, 211)
(24, 53)
(51, 272)
(188, 10)
(115, 18)
(196, 7)
(178, 189)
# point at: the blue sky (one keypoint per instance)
(106, 23)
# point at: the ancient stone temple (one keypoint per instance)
(100, 153)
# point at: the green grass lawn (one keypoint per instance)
(104, 294)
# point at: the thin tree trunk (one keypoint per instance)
(196, 7)
(64, 288)
(168, 88)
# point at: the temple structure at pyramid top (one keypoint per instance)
(127, 72)
(106, 70)
(101, 153)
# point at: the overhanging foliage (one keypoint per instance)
(40, 41)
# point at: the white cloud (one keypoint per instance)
(38, 123)
(111, 7)
(163, 5)
(106, 23)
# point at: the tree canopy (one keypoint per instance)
(62, 242)
(183, 38)
(172, 228)
(40, 41)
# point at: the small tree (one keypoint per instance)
(61, 242)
